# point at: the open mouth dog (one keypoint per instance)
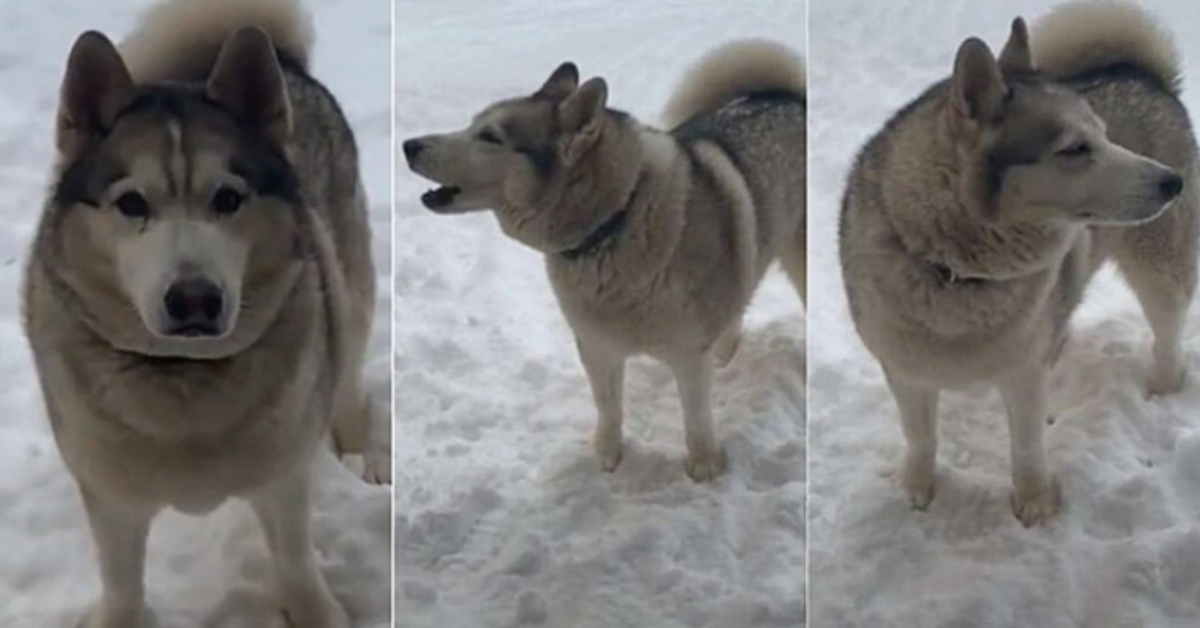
(439, 197)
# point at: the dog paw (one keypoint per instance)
(108, 615)
(315, 611)
(1164, 381)
(608, 452)
(919, 484)
(706, 467)
(1035, 507)
(377, 468)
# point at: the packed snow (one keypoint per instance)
(202, 571)
(1125, 549)
(503, 515)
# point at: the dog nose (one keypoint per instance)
(412, 148)
(1170, 186)
(194, 305)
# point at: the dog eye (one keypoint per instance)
(1078, 149)
(226, 201)
(133, 205)
(489, 136)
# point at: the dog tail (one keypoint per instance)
(1085, 36)
(736, 69)
(178, 40)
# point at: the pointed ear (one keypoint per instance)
(581, 117)
(95, 89)
(563, 81)
(1016, 58)
(248, 81)
(977, 90)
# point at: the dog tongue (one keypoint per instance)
(439, 197)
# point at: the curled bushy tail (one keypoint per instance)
(736, 69)
(178, 40)
(1088, 35)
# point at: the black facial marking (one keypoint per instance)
(266, 171)
(543, 157)
(170, 99)
(84, 181)
(1029, 133)
(541, 152)
(74, 186)
(257, 160)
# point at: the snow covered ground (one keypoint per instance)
(207, 571)
(503, 517)
(1125, 551)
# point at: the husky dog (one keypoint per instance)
(199, 292)
(654, 241)
(974, 220)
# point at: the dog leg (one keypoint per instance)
(727, 343)
(606, 373)
(285, 510)
(1034, 498)
(120, 537)
(1159, 262)
(1165, 307)
(352, 434)
(918, 417)
(351, 420)
(693, 377)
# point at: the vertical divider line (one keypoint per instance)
(392, 313)
(808, 99)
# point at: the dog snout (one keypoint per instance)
(1170, 186)
(412, 148)
(194, 305)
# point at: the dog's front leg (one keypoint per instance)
(285, 509)
(1034, 498)
(605, 369)
(918, 416)
(693, 377)
(119, 533)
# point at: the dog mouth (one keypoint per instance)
(195, 330)
(1125, 220)
(440, 197)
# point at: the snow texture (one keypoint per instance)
(1125, 550)
(202, 571)
(503, 515)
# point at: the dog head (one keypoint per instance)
(543, 163)
(1033, 150)
(176, 206)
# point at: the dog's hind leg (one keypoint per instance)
(1166, 309)
(606, 373)
(1158, 261)
(918, 418)
(120, 536)
(693, 377)
(284, 509)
